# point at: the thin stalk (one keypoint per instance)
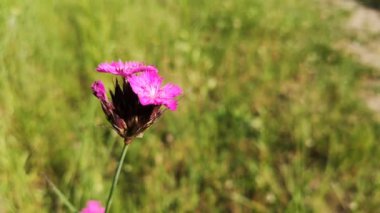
(61, 196)
(116, 177)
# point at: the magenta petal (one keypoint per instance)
(99, 91)
(171, 104)
(145, 100)
(151, 78)
(150, 68)
(125, 69)
(146, 86)
(107, 68)
(130, 67)
(170, 91)
(138, 84)
(133, 70)
(93, 206)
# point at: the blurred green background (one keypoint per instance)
(270, 121)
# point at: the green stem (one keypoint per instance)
(61, 196)
(116, 177)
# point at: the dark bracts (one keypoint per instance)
(126, 114)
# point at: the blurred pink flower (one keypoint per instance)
(135, 104)
(124, 68)
(99, 91)
(93, 206)
(147, 86)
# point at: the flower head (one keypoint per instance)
(93, 206)
(135, 103)
(147, 86)
(124, 69)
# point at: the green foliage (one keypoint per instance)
(270, 120)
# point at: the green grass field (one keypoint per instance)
(270, 119)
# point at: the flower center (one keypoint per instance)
(152, 92)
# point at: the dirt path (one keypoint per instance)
(363, 42)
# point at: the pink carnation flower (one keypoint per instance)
(135, 104)
(93, 206)
(147, 86)
(124, 69)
